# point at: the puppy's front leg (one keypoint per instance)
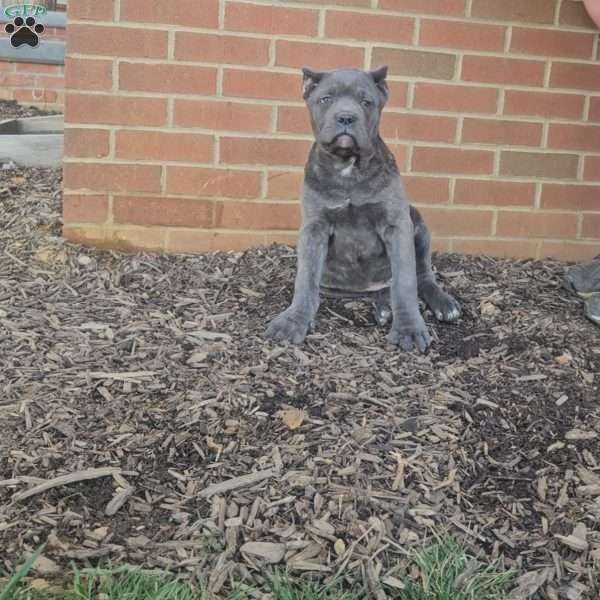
(408, 327)
(293, 323)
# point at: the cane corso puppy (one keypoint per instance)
(359, 235)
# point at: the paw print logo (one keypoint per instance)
(24, 31)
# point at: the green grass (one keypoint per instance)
(445, 572)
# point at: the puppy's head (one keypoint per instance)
(345, 108)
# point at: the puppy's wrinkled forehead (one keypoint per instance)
(347, 82)
(344, 83)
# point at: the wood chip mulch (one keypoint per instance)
(145, 420)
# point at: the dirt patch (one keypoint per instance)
(157, 365)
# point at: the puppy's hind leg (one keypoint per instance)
(443, 305)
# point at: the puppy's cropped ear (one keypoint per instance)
(379, 76)
(310, 80)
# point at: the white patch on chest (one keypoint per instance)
(347, 170)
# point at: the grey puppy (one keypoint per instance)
(359, 235)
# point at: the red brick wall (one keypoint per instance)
(33, 83)
(186, 130)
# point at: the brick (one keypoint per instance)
(86, 143)
(400, 152)
(174, 212)
(501, 132)
(574, 137)
(211, 241)
(452, 160)
(78, 208)
(571, 197)
(115, 110)
(532, 164)
(450, 221)
(494, 193)
(183, 12)
(49, 82)
(262, 84)
(318, 56)
(157, 145)
(571, 251)
(543, 104)
(259, 151)
(365, 3)
(499, 248)
(590, 227)
(284, 185)
(225, 183)
(293, 119)
(370, 27)
(427, 190)
(270, 19)
(591, 170)
(9, 79)
(84, 74)
(117, 41)
(468, 36)
(574, 14)
(171, 79)
(418, 127)
(10, 66)
(23, 67)
(215, 114)
(398, 93)
(257, 215)
(577, 76)
(536, 224)
(91, 9)
(111, 177)
(533, 11)
(415, 63)
(221, 49)
(594, 114)
(125, 239)
(36, 96)
(454, 8)
(548, 42)
(505, 71)
(455, 98)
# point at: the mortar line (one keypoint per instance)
(580, 167)
(508, 39)
(586, 107)
(171, 44)
(368, 58)
(221, 24)
(321, 24)
(537, 200)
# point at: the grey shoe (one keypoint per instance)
(584, 279)
(592, 308)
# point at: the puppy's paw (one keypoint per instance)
(409, 336)
(445, 307)
(288, 326)
(442, 304)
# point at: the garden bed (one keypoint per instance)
(155, 367)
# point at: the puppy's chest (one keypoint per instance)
(354, 231)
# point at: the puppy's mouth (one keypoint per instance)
(344, 145)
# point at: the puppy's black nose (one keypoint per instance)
(346, 119)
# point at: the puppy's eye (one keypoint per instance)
(326, 100)
(365, 103)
